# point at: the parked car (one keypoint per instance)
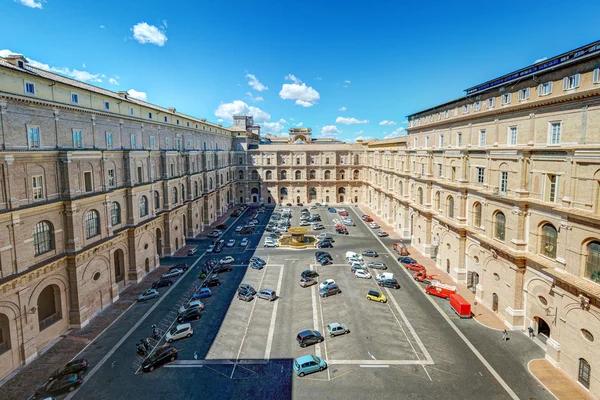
(247, 230)
(361, 273)
(356, 267)
(304, 223)
(370, 253)
(189, 314)
(377, 265)
(258, 260)
(191, 304)
(202, 293)
(308, 337)
(336, 329)
(231, 242)
(245, 295)
(162, 283)
(373, 225)
(147, 295)
(324, 261)
(218, 248)
(376, 296)
(214, 234)
(407, 260)
(222, 268)
(161, 356)
(343, 213)
(331, 210)
(74, 367)
(227, 260)
(326, 283)
(317, 227)
(211, 282)
(221, 227)
(324, 244)
(172, 273)
(382, 234)
(239, 228)
(267, 294)
(415, 267)
(182, 266)
(330, 290)
(320, 253)
(192, 251)
(244, 242)
(306, 282)
(342, 230)
(210, 248)
(64, 384)
(245, 286)
(309, 274)
(308, 364)
(236, 213)
(390, 283)
(179, 332)
(255, 265)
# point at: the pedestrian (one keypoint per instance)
(504, 335)
(530, 330)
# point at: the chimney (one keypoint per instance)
(122, 94)
(172, 109)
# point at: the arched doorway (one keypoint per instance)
(158, 242)
(4, 334)
(147, 265)
(542, 328)
(176, 243)
(297, 199)
(356, 199)
(254, 193)
(495, 302)
(447, 265)
(326, 199)
(184, 226)
(119, 265)
(341, 198)
(472, 281)
(49, 307)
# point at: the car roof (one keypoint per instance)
(334, 325)
(184, 326)
(306, 358)
(373, 292)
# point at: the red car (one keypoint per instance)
(368, 219)
(343, 213)
(415, 267)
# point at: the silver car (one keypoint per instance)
(148, 294)
(267, 294)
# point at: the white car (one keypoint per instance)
(244, 242)
(227, 260)
(373, 225)
(148, 294)
(239, 228)
(361, 273)
(326, 283)
(339, 210)
(231, 243)
(210, 248)
(190, 304)
(179, 332)
(173, 273)
(271, 244)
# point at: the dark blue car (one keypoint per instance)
(202, 293)
(406, 260)
(331, 210)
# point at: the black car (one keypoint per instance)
(309, 337)
(161, 356)
(247, 230)
(391, 283)
(245, 295)
(309, 274)
(300, 204)
(162, 283)
(189, 314)
(222, 227)
(74, 367)
(64, 384)
(321, 253)
(324, 243)
(324, 261)
(326, 255)
(214, 281)
(236, 213)
(341, 231)
(222, 268)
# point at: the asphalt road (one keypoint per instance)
(405, 348)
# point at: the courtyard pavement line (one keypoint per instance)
(324, 342)
(380, 362)
(491, 369)
(315, 313)
(273, 316)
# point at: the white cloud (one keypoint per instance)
(220, 120)
(255, 84)
(330, 130)
(30, 3)
(319, 78)
(351, 121)
(290, 77)
(83, 65)
(113, 81)
(364, 138)
(386, 122)
(273, 128)
(253, 98)
(6, 53)
(346, 81)
(540, 60)
(397, 133)
(299, 124)
(304, 103)
(145, 33)
(342, 108)
(405, 122)
(238, 107)
(282, 121)
(102, 27)
(165, 23)
(305, 96)
(137, 95)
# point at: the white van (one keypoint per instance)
(351, 254)
(385, 275)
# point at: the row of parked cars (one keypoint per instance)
(63, 380)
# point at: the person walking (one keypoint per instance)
(530, 330)
(504, 335)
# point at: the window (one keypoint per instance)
(554, 132)
(440, 169)
(512, 135)
(584, 374)
(548, 245)
(571, 82)
(268, 175)
(524, 94)
(596, 78)
(297, 161)
(313, 159)
(152, 143)
(446, 113)
(175, 194)
(283, 175)
(592, 261)
(130, 110)
(327, 175)
(327, 160)
(111, 177)
(29, 88)
(312, 174)
(477, 215)
(140, 175)
(92, 223)
(166, 142)
(437, 200)
(459, 139)
(420, 195)
(491, 102)
(441, 140)
(465, 109)
(341, 159)
(109, 140)
(415, 142)
(482, 141)
(33, 137)
(133, 142)
(177, 122)
(196, 192)
(143, 206)
(77, 139)
(149, 115)
(506, 98)
(545, 88)
(503, 182)
(282, 160)
(456, 111)
(422, 169)
(426, 141)
(414, 166)
(87, 180)
(43, 237)
(74, 98)
(477, 106)
(499, 226)
(106, 105)
(450, 207)
(156, 200)
(551, 186)
(431, 118)
(438, 116)
(153, 172)
(298, 175)
(480, 174)
(37, 187)
(115, 213)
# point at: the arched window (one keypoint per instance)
(585, 373)
(174, 195)
(312, 193)
(143, 206)
(312, 174)
(156, 200)
(342, 175)
(327, 175)
(283, 175)
(437, 200)
(499, 226)
(355, 174)
(92, 223)
(268, 175)
(450, 207)
(182, 192)
(241, 175)
(196, 189)
(283, 193)
(420, 195)
(254, 175)
(549, 237)
(477, 215)
(210, 183)
(115, 213)
(298, 175)
(592, 261)
(400, 187)
(43, 237)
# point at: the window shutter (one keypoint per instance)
(550, 87)
(539, 90)
(577, 76)
(565, 82)
(520, 95)
(527, 92)
(508, 97)
(596, 73)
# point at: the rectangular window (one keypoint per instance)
(167, 143)
(524, 94)
(111, 178)
(491, 102)
(426, 141)
(188, 124)
(414, 166)
(152, 143)
(544, 88)
(130, 110)
(459, 139)
(106, 105)
(552, 186)
(189, 143)
(341, 159)
(313, 159)
(446, 113)
(327, 160)
(74, 98)
(482, 139)
(415, 142)
(109, 140)
(87, 181)
(506, 98)
(480, 174)
(177, 122)
(431, 118)
(178, 143)
(140, 176)
(477, 106)
(465, 109)
(441, 140)
(455, 111)
(571, 82)
(149, 115)
(153, 172)
(554, 132)
(77, 139)
(133, 142)
(596, 78)
(440, 169)
(33, 137)
(438, 116)
(512, 136)
(503, 182)
(422, 169)
(37, 188)
(29, 88)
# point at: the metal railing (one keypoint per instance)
(50, 321)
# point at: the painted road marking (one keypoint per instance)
(380, 362)
(313, 293)
(373, 366)
(273, 316)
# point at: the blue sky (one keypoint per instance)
(347, 69)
